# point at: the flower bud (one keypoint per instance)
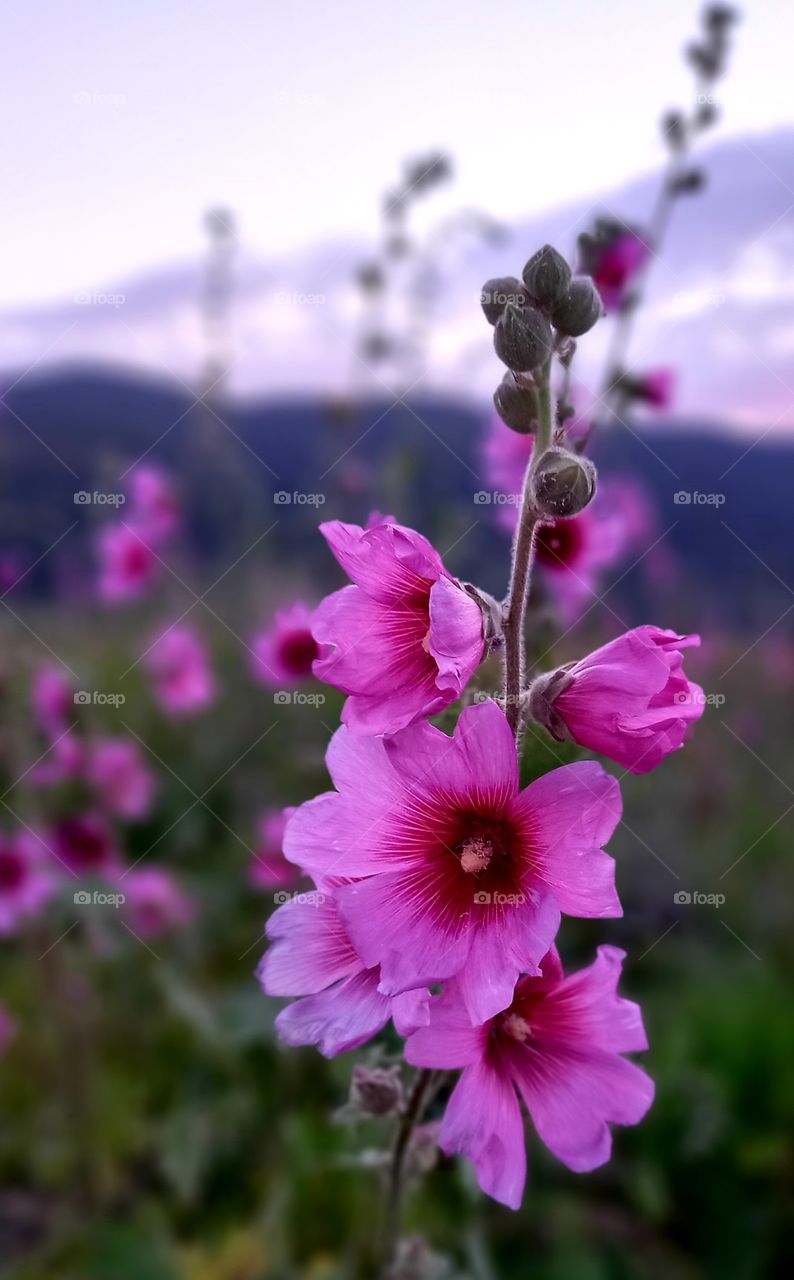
(522, 338)
(579, 309)
(563, 483)
(518, 407)
(547, 276)
(375, 1091)
(496, 294)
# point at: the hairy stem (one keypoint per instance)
(395, 1193)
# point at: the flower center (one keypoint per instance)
(476, 854)
(12, 870)
(298, 650)
(558, 544)
(517, 1027)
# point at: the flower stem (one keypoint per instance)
(521, 572)
(395, 1193)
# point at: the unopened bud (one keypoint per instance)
(522, 338)
(563, 483)
(547, 276)
(498, 292)
(518, 407)
(375, 1091)
(578, 311)
(538, 702)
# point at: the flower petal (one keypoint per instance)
(483, 1121)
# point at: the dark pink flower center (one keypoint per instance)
(12, 870)
(82, 846)
(137, 559)
(297, 651)
(558, 545)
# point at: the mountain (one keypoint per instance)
(720, 305)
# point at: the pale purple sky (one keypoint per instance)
(124, 120)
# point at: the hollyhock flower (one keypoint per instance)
(269, 868)
(25, 881)
(466, 874)
(7, 1029)
(284, 651)
(312, 956)
(405, 639)
(64, 761)
(154, 902)
(123, 782)
(154, 505)
(128, 563)
(630, 700)
(182, 678)
(616, 265)
(52, 696)
(559, 1044)
(85, 846)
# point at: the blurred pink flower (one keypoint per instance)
(655, 388)
(128, 563)
(85, 846)
(154, 507)
(466, 872)
(616, 266)
(312, 956)
(179, 666)
(64, 761)
(560, 1045)
(269, 869)
(25, 880)
(403, 641)
(52, 696)
(123, 783)
(629, 700)
(505, 458)
(284, 651)
(155, 902)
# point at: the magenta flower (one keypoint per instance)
(655, 388)
(85, 846)
(155, 903)
(630, 700)
(128, 563)
(25, 881)
(312, 956)
(617, 264)
(52, 696)
(123, 783)
(283, 653)
(404, 640)
(559, 1044)
(64, 761)
(269, 869)
(179, 667)
(154, 506)
(466, 875)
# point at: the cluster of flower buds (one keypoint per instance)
(532, 317)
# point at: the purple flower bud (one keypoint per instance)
(578, 311)
(522, 338)
(518, 407)
(547, 276)
(375, 1091)
(563, 483)
(496, 294)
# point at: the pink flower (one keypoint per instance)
(559, 1044)
(25, 882)
(284, 651)
(269, 868)
(404, 640)
(123, 782)
(655, 388)
(85, 846)
(52, 696)
(629, 700)
(154, 902)
(128, 563)
(616, 266)
(154, 505)
(312, 956)
(64, 761)
(182, 678)
(466, 875)
(7, 1029)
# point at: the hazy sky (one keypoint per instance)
(123, 120)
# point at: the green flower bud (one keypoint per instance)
(563, 483)
(498, 292)
(547, 276)
(579, 309)
(518, 407)
(522, 338)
